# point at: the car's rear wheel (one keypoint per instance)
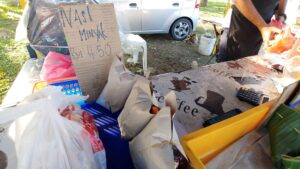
(181, 29)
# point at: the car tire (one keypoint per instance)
(180, 29)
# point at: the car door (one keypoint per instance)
(158, 15)
(129, 15)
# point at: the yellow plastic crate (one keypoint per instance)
(204, 144)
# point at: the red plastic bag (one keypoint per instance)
(57, 66)
(85, 119)
(277, 24)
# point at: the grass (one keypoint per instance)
(12, 54)
(214, 9)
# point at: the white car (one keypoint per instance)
(177, 17)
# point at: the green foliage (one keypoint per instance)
(214, 9)
(12, 54)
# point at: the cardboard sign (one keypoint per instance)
(93, 39)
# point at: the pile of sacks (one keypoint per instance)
(153, 140)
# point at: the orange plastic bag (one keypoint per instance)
(282, 43)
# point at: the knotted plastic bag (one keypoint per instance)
(49, 140)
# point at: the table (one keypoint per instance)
(210, 90)
(202, 93)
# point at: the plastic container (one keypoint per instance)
(116, 148)
(204, 144)
(69, 86)
(206, 45)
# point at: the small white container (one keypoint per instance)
(194, 64)
(206, 45)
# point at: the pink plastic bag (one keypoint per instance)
(57, 66)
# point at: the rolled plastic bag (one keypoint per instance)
(136, 113)
(49, 140)
(118, 87)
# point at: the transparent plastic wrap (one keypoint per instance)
(40, 23)
(44, 30)
(45, 139)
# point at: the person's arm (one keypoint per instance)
(281, 8)
(247, 8)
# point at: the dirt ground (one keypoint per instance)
(166, 55)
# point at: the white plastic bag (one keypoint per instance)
(136, 113)
(49, 140)
(118, 87)
(84, 118)
(8, 156)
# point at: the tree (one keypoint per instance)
(203, 2)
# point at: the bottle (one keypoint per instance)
(194, 64)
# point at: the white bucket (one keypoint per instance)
(206, 45)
